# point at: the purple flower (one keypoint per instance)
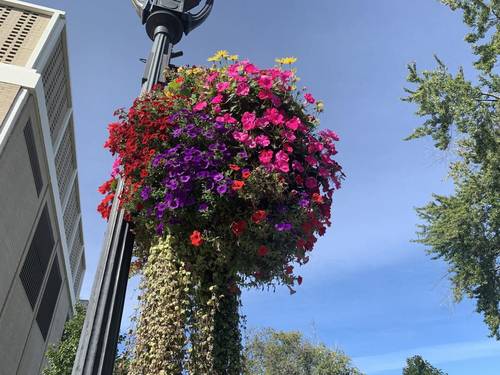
(146, 192)
(222, 189)
(283, 227)
(159, 229)
(218, 177)
(177, 132)
(304, 203)
(160, 209)
(203, 207)
(185, 178)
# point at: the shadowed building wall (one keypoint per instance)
(42, 260)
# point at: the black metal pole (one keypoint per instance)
(165, 21)
(99, 338)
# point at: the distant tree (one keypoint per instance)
(463, 118)
(60, 358)
(418, 366)
(270, 352)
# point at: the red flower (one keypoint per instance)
(317, 198)
(289, 270)
(196, 239)
(237, 185)
(238, 227)
(299, 280)
(258, 216)
(234, 167)
(262, 251)
(245, 174)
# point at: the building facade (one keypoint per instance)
(42, 260)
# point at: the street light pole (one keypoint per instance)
(165, 22)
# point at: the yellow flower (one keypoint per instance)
(233, 58)
(320, 106)
(286, 60)
(222, 54)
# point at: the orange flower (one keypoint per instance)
(237, 185)
(196, 239)
(317, 198)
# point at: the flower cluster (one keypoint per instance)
(227, 159)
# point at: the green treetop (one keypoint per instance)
(418, 366)
(463, 117)
(270, 352)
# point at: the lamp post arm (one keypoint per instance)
(192, 21)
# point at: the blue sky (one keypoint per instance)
(367, 289)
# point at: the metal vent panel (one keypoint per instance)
(20, 30)
(29, 137)
(65, 161)
(76, 250)
(71, 212)
(79, 275)
(37, 259)
(49, 299)
(55, 83)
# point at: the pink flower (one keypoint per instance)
(217, 99)
(311, 160)
(264, 94)
(243, 89)
(222, 86)
(309, 98)
(211, 77)
(250, 68)
(200, 106)
(262, 140)
(226, 119)
(293, 124)
(282, 162)
(248, 121)
(266, 156)
(251, 143)
(240, 136)
(265, 81)
(274, 116)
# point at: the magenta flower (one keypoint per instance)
(274, 116)
(217, 99)
(248, 121)
(266, 82)
(251, 69)
(262, 140)
(243, 89)
(240, 136)
(293, 124)
(200, 106)
(266, 156)
(222, 86)
(311, 183)
(309, 98)
(282, 162)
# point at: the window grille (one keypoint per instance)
(55, 84)
(65, 162)
(76, 250)
(33, 156)
(49, 299)
(71, 212)
(37, 259)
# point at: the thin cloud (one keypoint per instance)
(434, 354)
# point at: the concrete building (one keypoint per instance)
(42, 259)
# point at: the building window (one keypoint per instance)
(37, 260)
(34, 162)
(49, 299)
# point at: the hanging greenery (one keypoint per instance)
(228, 183)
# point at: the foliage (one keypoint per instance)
(418, 366)
(272, 352)
(463, 117)
(60, 358)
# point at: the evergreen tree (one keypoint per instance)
(463, 118)
(418, 366)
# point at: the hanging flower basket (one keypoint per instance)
(228, 162)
